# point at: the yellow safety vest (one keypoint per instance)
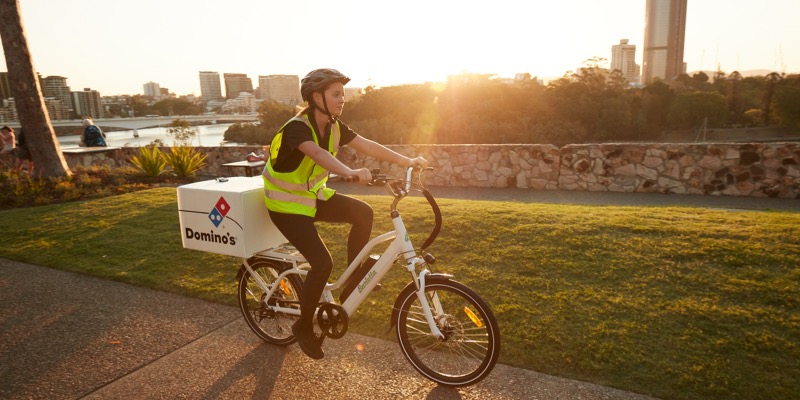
(297, 192)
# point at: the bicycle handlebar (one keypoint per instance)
(400, 188)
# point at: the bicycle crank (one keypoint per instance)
(332, 319)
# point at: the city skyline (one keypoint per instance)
(419, 42)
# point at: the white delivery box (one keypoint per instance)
(226, 216)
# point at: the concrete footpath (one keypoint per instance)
(71, 336)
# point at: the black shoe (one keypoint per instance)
(308, 341)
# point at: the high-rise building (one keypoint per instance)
(210, 88)
(236, 84)
(8, 111)
(56, 108)
(281, 88)
(664, 32)
(623, 58)
(56, 87)
(87, 103)
(152, 89)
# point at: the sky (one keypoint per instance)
(115, 47)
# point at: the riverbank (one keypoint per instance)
(207, 136)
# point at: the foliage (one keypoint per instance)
(271, 114)
(181, 132)
(185, 161)
(175, 107)
(21, 190)
(150, 161)
(140, 105)
(667, 301)
(588, 105)
(690, 109)
(787, 102)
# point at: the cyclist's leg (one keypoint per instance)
(300, 231)
(341, 208)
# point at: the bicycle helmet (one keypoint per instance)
(318, 79)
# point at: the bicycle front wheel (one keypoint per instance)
(471, 344)
(271, 326)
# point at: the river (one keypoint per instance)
(207, 135)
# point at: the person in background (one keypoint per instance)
(9, 140)
(92, 135)
(22, 155)
(301, 156)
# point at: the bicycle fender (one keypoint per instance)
(410, 288)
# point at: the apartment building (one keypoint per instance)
(623, 58)
(284, 89)
(210, 88)
(87, 103)
(236, 84)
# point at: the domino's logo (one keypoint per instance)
(219, 212)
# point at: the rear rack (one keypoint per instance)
(285, 253)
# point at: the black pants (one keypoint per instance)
(302, 234)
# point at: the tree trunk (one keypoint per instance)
(33, 118)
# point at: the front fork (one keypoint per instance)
(419, 282)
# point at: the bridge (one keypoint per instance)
(149, 122)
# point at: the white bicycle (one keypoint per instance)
(446, 331)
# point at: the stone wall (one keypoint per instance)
(216, 156)
(734, 169)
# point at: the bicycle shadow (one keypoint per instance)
(444, 393)
(261, 366)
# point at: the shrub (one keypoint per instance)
(21, 190)
(150, 161)
(185, 161)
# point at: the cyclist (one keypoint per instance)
(301, 156)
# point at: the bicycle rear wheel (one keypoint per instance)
(270, 326)
(471, 346)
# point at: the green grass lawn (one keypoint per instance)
(678, 303)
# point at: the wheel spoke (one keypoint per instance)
(470, 346)
(263, 320)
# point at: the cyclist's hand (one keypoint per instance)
(418, 162)
(361, 175)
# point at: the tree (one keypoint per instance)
(690, 109)
(271, 115)
(181, 132)
(787, 101)
(769, 93)
(39, 134)
(176, 107)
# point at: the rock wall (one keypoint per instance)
(733, 169)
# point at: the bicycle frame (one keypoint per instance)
(400, 246)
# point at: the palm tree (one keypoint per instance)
(33, 117)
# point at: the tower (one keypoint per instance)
(210, 88)
(56, 87)
(281, 88)
(664, 32)
(87, 103)
(152, 89)
(623, 58)
(237, 83)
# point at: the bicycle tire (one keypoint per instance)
(272, 327)
(471, 346)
